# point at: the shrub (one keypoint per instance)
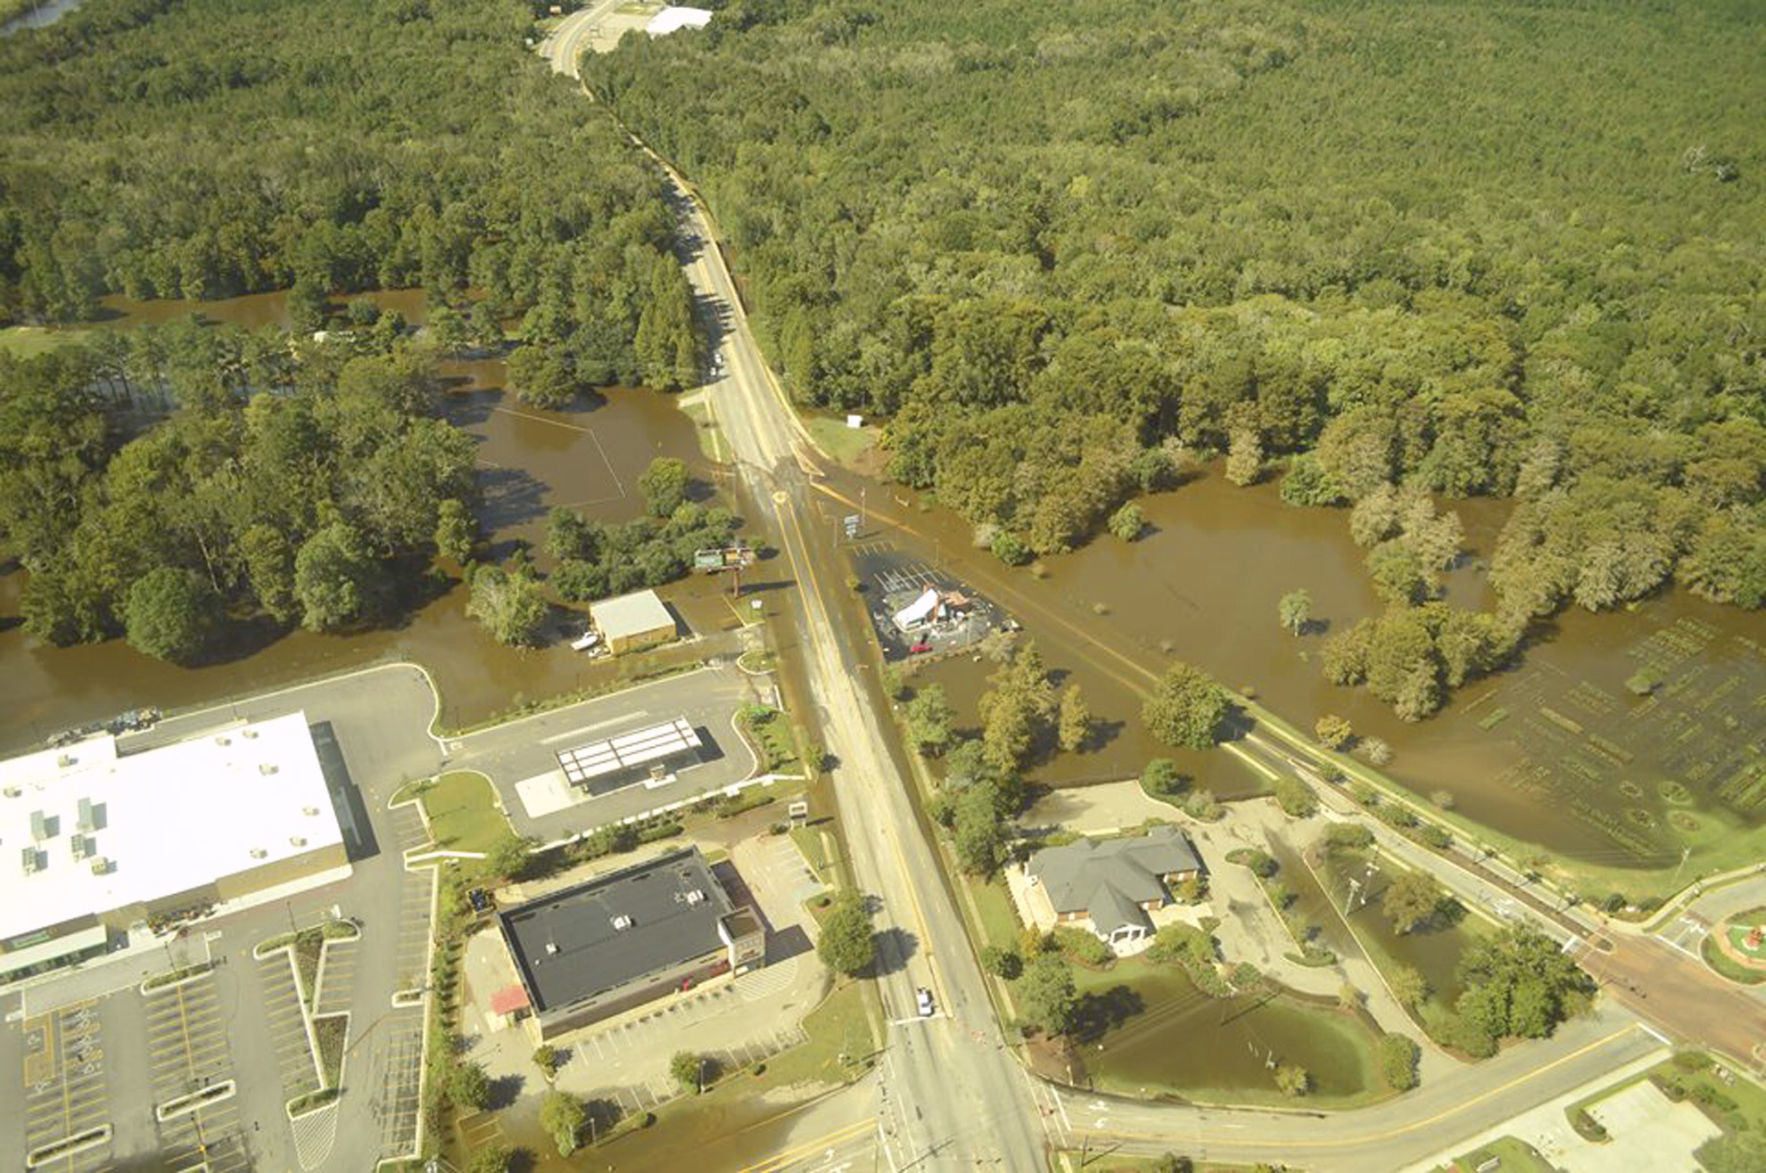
(1295, 797)
(469, 1086)
(1200, 805)
(1398, 1059)
(1350, 835)
(1082, 947)
(1293, 1080)
(1261, 863)
(688, 1071)
(1000, 962)
(1333, 731)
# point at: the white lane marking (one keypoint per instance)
(632, 716)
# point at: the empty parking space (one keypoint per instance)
(337, 977)
(188, 1053)
(64, 1087)
(399, 1102)
(286, 1028)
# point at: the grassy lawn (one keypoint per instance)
(844, 444)
(1516, 1157)
(999, 919)
(463, 814)
(27, 341)
(841, 1025)
(1725, 965)
(814, 846)
(771, 731)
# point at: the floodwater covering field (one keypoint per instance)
(1554, 753)
(588, 457)
(1225, 1050)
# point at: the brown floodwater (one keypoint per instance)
(529, 460)
(1553, 751)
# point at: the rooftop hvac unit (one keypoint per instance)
(267, 768)
(29, 858)
(622, 922)
(100, 866)
(85, 820)
(81, 846)
(12, 792)
(39, 826)
(309, 811)
(249, 734)
(297, 840)
(259, 853)
(695, 896)
(551, 948)
(64, 760)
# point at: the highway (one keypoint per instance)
(950, 1093)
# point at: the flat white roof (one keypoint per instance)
(633, 614)
(673, 19)
(589, 762)
(164, 821)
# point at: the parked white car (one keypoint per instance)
(588, 641)
(925, 1000)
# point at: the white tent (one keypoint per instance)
(916, 613)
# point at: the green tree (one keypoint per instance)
(1046, 994)
(975, 830)
(1073, 729)
(1000, 962)
(1244, 459)
(269, 568)
(545, 1057)
(1186, 709)
(468, 1086)
(1733, 1152)
(1295, 797)
(482, 325)
(664, 485)
(688, 1071)
(848, 944)
(1293, 1080)
(1412, 900)
(455, 530)
(170, 613)
(930, 719)
(1128, 523)
(335, 578)
(511, 604)
(1409, 986)
(1398, 1060)
(541, 377)
(1333, 731)
(1296, 611)
(509, 856)
(493, 1158)
(562, 1117)
(1161, 778)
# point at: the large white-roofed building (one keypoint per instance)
(94, 843)
(675, 18)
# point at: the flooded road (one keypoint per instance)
(588, 457)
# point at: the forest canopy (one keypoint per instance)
(1463, 247)
(208, 148)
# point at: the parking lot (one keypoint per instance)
(189, 1053)
(893, 579)
(521, 758)
(65, 1090)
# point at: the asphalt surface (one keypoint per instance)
(519, 750)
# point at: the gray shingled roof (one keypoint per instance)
(1100, 879)
(592, 957)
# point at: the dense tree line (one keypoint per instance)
(309, 484)
(1459, 248)
(206, 148)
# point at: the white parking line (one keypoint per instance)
(624, 717)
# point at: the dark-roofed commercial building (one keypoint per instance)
(1114, 884)
(624, 938)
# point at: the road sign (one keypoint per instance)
(798, 811)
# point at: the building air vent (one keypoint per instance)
(259, 853)
(696, 896)
(622, 922)
(222, 740)
(309, 811)
(267, 768)
(13, 792)
(297, 840)
(551, 948)
(64, 760)
(249, 734)
(100, 866)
